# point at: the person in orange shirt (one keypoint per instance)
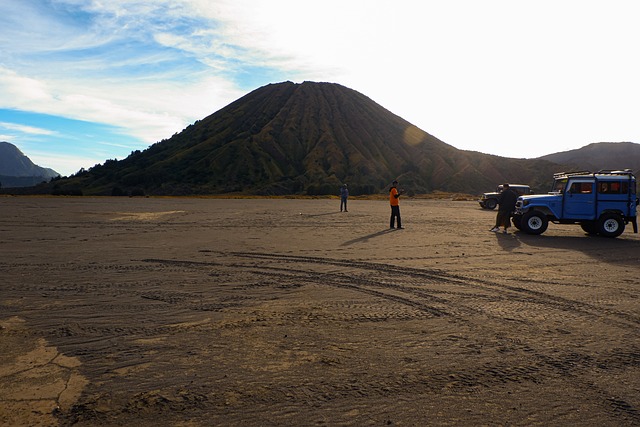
(394, 201)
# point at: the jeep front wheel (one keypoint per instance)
(534, 222)
(490, 204)
(610, 225)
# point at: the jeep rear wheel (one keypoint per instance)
(490, 204)
(534, 222)
(610, 225)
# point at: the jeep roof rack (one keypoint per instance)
(559, 174)
(600, 172)
(615, 172)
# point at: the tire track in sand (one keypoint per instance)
(438, 293)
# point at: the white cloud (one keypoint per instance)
(18, 91)
(64, 164)
(26, 129)
(148, 110)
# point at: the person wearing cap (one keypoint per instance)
(394, 201)
(344, 195)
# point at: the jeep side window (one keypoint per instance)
(581, 187)
(574, 188)
(614, 187)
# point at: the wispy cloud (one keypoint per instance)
(26, 129)
(108, 67)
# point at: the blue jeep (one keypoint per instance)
(602, 203)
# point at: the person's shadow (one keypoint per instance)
(508, 241)
(370, 236)
(323, 214)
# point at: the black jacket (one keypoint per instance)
(507, 200)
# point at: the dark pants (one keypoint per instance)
(503, 219)
(343, 202)
(395, 213)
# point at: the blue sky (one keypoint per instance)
(83, 81)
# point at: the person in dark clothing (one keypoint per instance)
(507, 203)
(344, 195)
(394, 201)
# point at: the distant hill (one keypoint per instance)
(601, 155)
(17, 170)
(306, 138)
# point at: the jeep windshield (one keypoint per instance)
(559, 185)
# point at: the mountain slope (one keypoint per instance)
(18, 170)
(601, 155)
(304, 138)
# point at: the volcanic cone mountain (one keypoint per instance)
(306, 138)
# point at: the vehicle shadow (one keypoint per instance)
(604, 249)
(370, 236)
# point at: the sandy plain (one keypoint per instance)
(199, 312)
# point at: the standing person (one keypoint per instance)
(507, 203)
(394, 201)
(344, 195)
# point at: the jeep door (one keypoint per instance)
(579, 201)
